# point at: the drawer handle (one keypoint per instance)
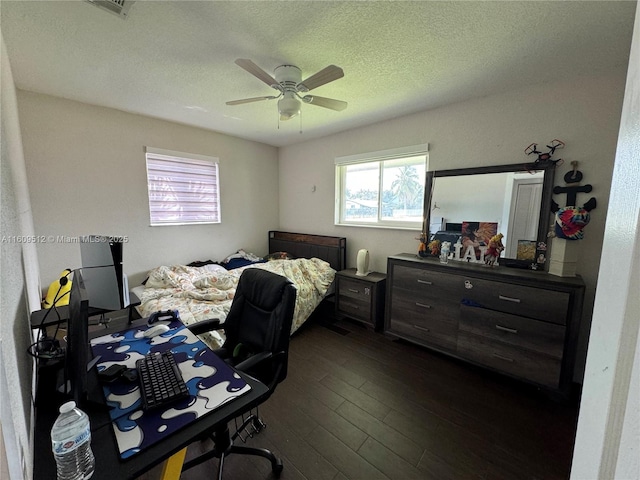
(353, 290)
(506, 329)
(509, 299)
(501, 357)
(424, 329)
(426, 282)
(422, 305)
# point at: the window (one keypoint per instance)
(382, 189)
(183, 188)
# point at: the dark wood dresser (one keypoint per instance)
(517, 322)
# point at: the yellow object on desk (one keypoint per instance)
(58, 293)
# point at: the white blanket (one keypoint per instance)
(200, 293)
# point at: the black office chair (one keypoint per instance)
(257, 331)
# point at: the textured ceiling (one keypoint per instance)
(174, 60)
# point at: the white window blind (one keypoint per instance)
(183, 188)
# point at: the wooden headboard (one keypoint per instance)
(302, 245)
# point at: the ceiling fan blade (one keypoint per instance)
(256, 71)
(249, 100)
(330, 103)
(326, 75)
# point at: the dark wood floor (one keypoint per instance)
(357, 405)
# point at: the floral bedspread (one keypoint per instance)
(200, 293)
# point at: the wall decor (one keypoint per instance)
(569, 223)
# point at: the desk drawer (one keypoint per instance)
(531, 302)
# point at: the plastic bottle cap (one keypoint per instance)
(67, 407)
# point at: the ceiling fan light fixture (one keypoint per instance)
(287, 80)
(288, 107)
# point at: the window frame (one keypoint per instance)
(188, 161)
(379, 157)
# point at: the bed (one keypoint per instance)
(206, 291)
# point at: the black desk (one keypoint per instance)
(103, 443)
(53, 316)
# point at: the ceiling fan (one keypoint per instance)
(288, 82)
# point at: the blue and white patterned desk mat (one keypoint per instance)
(210, 381)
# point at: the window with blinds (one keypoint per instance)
(183, 188)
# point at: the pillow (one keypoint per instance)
(213, 268)
(279, 256)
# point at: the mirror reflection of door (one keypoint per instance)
(525, 209)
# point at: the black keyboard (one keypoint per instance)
(160, 380)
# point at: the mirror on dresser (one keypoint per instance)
(516, 197)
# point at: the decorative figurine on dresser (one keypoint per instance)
(515, 321)
(495, 249)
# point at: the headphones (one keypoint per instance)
(65, 278)
(163, 316)
(58, 290)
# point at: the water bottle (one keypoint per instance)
(71, 444)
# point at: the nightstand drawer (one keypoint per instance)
(355, 289)
(361, 298)
(354, 307)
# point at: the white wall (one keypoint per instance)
(87, 175)
(455, 195)
(494, 130)
(19, 292)
(608, 436)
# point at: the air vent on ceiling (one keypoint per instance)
(117, 7)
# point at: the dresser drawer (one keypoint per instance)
(426, 283)
(427, 331)
(508, 358)
(407, 308)
(435, 323)
(519, 332)
(532, 302)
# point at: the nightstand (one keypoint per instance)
(361, 298)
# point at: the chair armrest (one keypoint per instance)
(253, 360)
(205, 326)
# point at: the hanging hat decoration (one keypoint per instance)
(571, 220)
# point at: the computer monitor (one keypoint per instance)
(102, 271)
(77, 353)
